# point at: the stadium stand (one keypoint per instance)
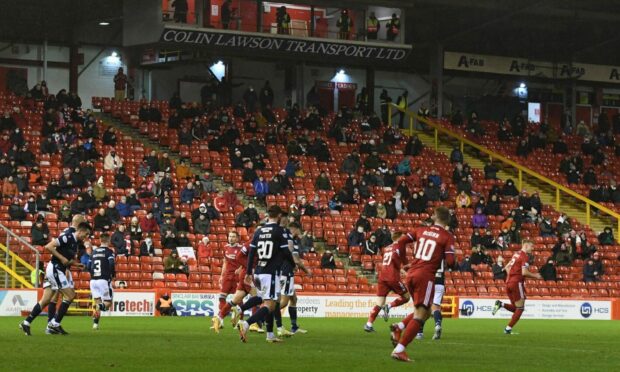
(333, 228)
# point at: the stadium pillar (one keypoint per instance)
(73, 68)
(370, 88)
(259, 15)
(312, 20)
(45, 60)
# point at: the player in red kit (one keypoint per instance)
(394, 259)
(432, 245)
(518, 270)
(229, 277)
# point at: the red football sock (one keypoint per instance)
(408, 319)
(222, 303)
(515, 317)
(510, 307)
(410, 332)
(225, 310)
(399, 301)
(373, 314)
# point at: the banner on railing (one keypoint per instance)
(538, 309)
(251, 41)
(525, 67)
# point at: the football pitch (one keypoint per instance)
(187, 344)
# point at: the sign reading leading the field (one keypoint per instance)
(307, 46)
(13, 302)
(195, 304)
(133, 304)
(538, 309)
(343, 307)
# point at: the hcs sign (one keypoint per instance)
(195, 304)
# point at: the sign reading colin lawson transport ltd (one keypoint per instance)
(244, 41)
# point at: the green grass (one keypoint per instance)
(184, 344)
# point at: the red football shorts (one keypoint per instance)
(241, 286)
(421, 286)
(515, 291)
(384, 288)
(229, 285)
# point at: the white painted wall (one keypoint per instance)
(90, 83)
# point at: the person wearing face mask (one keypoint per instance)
(147, 248)
(356, 237)
(499, 271)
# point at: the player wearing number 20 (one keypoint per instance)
(432, 245)
(273, 246)
(394, 260)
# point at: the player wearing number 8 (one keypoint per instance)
(432, 245)
(394, 260)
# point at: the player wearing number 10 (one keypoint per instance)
(432, 245)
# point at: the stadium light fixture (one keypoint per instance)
(104, 23)
(342, 71)
(522, 85)
(220, 62)
(114, 55)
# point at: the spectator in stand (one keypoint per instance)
(479, 220)
(188, 194)
(261, 188)
(123, 209)
(548, 271)
(479, 256)
(203, 251)
(463, 200)
(327, 260)
(99, 191)
(31, 206)
(545, 228)
(164, 164)
(356, 237)
(148, 223)
(465, 265)
(202, 225)
(207, 183)
(102, 222)
(266, 96)
(351, 163)
(39, 232)
(120, 84)
(112, 161)
(174, 265)
(231, 200)
(322, 182)
(509, 190)
(456, 156)
(180, 11)
(490, 171)
(393, 27)
(370, 246)
(606, 237)
(249, 173)
(562, 255)
(112, 212)
(135, 230)
(182, 223)
(244, 219)
(167, 225)
(499, 271)
(147, 248)
(9, 188)
(590, 273)
(344, 24)
(117, 240)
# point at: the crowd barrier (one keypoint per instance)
(202, 303)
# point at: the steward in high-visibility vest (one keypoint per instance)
(372, 29)
(393, 28)
(283, 20)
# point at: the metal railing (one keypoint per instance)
(12, 259)
(560, 190)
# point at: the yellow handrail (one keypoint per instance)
(15, 275)
(16, 257)
(521, 169)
